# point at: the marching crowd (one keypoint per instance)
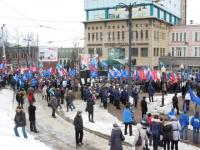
(153, 130)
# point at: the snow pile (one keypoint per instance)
(8, 139)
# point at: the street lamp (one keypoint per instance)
(129, 8)
(163, 70)
(3, 43)
(182, 68)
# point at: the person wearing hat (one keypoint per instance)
(176, 127)
(20, 121)
(195, 122)
(78, 124)
(116, 138)
(184, 121)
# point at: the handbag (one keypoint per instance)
(139, 141)
(122, 137)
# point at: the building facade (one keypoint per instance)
(184, 47)
(106, 29)
(109, 39)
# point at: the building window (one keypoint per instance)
(109, 36)
(196, 36)
(113, 35)
(173, 37)
(136, 35)
(97, 36)
(122, 26)
(96, 28)
(161, 52)
(88, 36)
(144, 52)
(134, 52)
(172, 51)
(141, 34)
(157, 54)
(147, 34)
(123, 35)
(195, 54)
(176, 37)
(91, 51)
(101, 36)
(92, 28)
(113, 27)
(185, 37)
(92, 36)
(181, 37)
(118, 35)
(99, 51)
(88, 28)
(154, 52)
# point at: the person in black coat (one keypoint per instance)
(167, 134)
(175, 103)
(90, 110)
(20, 98)
(144, 106)
(31, 111)
(78, 124)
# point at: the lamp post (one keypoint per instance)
(129, 8)
(163, 70)
(3, 43)
(182, 68)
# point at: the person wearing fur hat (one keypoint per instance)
(141, 132)
(116, 138)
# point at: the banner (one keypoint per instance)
(84, 61)
(48, 54)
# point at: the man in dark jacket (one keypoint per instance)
(156, 131)
(104, 96)
(20, 121)
(31, 111)
(20, 98)
(175, 103)
(90, 110)
(167, 134)
(144, 106)
(54, 105)
(78, 124)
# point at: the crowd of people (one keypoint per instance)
(153, 129)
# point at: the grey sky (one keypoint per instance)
(63, 17)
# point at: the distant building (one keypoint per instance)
(67, 55)
(184, 48)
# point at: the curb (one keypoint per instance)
(104, 136)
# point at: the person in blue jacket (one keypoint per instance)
(171, 114)
(128, 119)
(195, 122)
(184, 121)
(151, 91)
(34, 83)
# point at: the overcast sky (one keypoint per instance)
(62, 19)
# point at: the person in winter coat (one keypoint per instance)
(104, 96)
(184, 121)
(149, 118)
(78, 124)
(144, 138)
(150, 91)
(117, 97)
(195, 122)
(176, 127)
(20, 121)
(156, 131)
(124, 96)
(44, 93)
(58, 96)
(128, 120)
(70, 98)
(144, 106)
(31, 111)
(116, 138)
(167, 134)
(20, 98)
(31, 98)
(54, 106)
(90, 110)
(175, 103)
(135, 95)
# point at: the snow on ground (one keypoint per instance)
(7, 137)
(104, 120)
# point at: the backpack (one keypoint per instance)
(139, 141)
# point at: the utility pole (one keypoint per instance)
(28, 58)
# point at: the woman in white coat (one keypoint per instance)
(141, 130)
